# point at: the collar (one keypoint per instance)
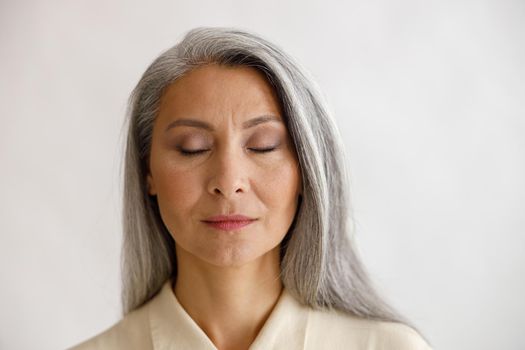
(172, 328)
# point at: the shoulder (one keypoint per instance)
(344, 330)
(131, 332)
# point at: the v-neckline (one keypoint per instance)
(173, 328)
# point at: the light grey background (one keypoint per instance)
(429, 96)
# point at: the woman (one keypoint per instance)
(236, 230)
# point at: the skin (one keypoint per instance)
(227, 281)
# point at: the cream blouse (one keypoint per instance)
(163, 324)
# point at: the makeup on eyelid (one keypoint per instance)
(195, 151)
(191, 143)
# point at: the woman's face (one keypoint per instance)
(220, 147)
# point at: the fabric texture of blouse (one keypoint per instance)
(163, 324)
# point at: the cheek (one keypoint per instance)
(282, 180)
(279, 188)
(178, 192)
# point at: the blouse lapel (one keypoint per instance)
(172, 327)
(286, 326)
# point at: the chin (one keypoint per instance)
(231, 256)
(239, 255)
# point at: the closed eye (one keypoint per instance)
(262, 150)
(189, 153)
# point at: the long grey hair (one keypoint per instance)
(319, 264)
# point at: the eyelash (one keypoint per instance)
(197, 152)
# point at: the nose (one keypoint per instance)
(228, 175)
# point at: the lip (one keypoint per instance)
(234, 217)
(228, 222)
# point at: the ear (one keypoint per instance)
(152, 190)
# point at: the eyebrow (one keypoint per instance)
(203, 125)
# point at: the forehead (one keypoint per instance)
(216, 91)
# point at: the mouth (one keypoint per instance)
(228, 225)
(229, 222)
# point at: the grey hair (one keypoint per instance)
(319, 264)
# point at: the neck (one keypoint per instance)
(230, 304)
